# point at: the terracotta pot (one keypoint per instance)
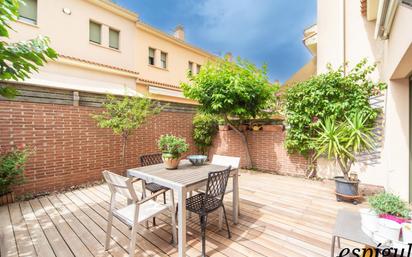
(274, 128)
(224, 127)
(7, 198)
(170, 162)
(243, 127)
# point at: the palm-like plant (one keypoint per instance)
(343, 141)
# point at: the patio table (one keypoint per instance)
(186, 178)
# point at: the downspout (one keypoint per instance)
(343, 6)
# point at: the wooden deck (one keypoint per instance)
(279, 216)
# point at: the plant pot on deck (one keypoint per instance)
(171, 163)
(347, 190)
(7, 198)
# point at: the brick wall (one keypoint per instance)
(70, 149)
(266, 150)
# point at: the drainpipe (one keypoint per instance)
(343, 8)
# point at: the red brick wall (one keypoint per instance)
(266, 150)
(70, 149)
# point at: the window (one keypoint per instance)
(163, 60)
(190, 67)
(95, 33)
(114, 38)
(152, 56)
(198, 67)
(28, 11)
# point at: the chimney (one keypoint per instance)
(229, 56)
(179, 32)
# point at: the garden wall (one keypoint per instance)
(69, 148)
(266, 150)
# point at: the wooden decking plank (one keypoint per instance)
(41, 244)
(94, 246)
(8, 242)
(91, 226)
(59, 246)
(72, 240)
(24, 243)
(143, 243)
(117, 235)
(192, 239)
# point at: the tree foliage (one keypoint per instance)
(124, 115)
(20, 59)
(232, 89)
(205, 127)
(332, 94)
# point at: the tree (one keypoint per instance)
(232, 90)
(205, 126)
(332, 94)
(19, 60)
(342, 141)
(124, 115)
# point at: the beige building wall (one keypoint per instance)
(394, 64)
(88, 66)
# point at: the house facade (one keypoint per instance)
(348, 31)
(104, 48)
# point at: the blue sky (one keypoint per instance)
(262, 31)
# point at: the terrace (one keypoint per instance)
(274, 221)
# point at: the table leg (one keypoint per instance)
(182, 221)
(236, 197)
(332, 250)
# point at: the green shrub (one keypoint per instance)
(205, 127)
(12, 168)
(172, 146)
(387, 203)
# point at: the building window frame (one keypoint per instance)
(118, 38)
(27, 18)
(163, 60)
(91, 39)
(152, 57)
(190, 67)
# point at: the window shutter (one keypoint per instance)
(114, 38)
(95, 32)
(28, 10)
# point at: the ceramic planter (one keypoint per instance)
(389, 229)
(171, 163)
(347, 190)
(272, 127)
(224, 127)
(7, 198)
(369, 221)
(397, 219)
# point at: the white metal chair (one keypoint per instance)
(226, 161)
(137, 212)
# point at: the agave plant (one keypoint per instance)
(343, 141)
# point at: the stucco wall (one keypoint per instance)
(69, 34)
(392, 171)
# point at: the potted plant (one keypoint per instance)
(172, 148)
(342, 142)
(392, 212)
(11, 172)
(390, 206)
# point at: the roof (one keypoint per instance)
(98, 64)
(116, 8)
(164, 35)
(159, 84)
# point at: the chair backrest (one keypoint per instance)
(120, 184)
(216, 186)
(151, 159)
(226, 161)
